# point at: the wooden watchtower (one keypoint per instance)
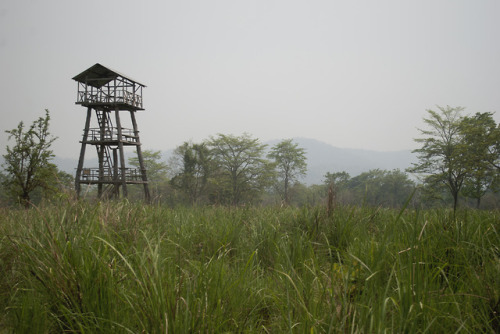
(106, 93)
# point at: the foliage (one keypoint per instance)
(382, 188)
(290, 161)
(193, 170)
(460, 152)
(374, 188)
(482, 138)
(27, 163)
(157, 171)
(241, 171)
(122, 268)
(338, 179)
(156, 168)
(4, 196)
(482, 135)
(443, 157)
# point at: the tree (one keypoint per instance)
(443, 155)
(290, 161)
(481, 136)
(366, 187)
(242, 172)
(27, 163)
(477, 184)
(65, 182)
(338, 179)
(156, 169)
(396, 188)
(194, 164)
(335, 185)
(4, 195)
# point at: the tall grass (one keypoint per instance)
(125, 268)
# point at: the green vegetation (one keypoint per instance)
(27, 163)
(459, 153)
(242, 173)
(193, 167)
(458, 164)
(124, 268)
(156, 171)
(291, 164)
(373, 188)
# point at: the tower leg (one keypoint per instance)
(116, 185)
(82, 154)
(102, 128)
(122, 157)
(144, 177)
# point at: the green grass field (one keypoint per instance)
(127, 268)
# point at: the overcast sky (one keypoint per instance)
(354, 74)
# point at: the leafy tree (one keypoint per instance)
(312, 195)
(443, 155)
(62, 186)
(366, 187)
(290, 161)
(434, 195)
(396, 188)
(477, 184)
(242, 172)
(27, 163)
(337, 183)
(4, 196)
(380, 187)
(339, 179)
(65, 182)
(194, 165)
(481, 136)
(156, 170)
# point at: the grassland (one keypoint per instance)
(126, 268)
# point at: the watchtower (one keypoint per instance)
(107, 93)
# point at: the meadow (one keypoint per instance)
(119, 267)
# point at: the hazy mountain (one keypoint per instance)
(321, 158)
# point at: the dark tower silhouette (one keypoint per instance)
(106, 93)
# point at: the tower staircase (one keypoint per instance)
(106, 128)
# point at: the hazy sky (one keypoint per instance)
(354, 74)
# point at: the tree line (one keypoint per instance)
(226, 170)
(458, 161)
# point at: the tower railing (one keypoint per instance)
(111, 134)
(92, 175)
(118, 96)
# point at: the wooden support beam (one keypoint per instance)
(144, 177)
(121, 154)
(82, 153)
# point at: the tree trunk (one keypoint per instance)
(25, 200)
(455, 201)
(286, 191)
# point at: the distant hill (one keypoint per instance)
(321, 158)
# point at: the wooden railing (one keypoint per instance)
(122, 96)
(111, 134)
(92, 175)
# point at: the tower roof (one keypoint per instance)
(98, 75)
